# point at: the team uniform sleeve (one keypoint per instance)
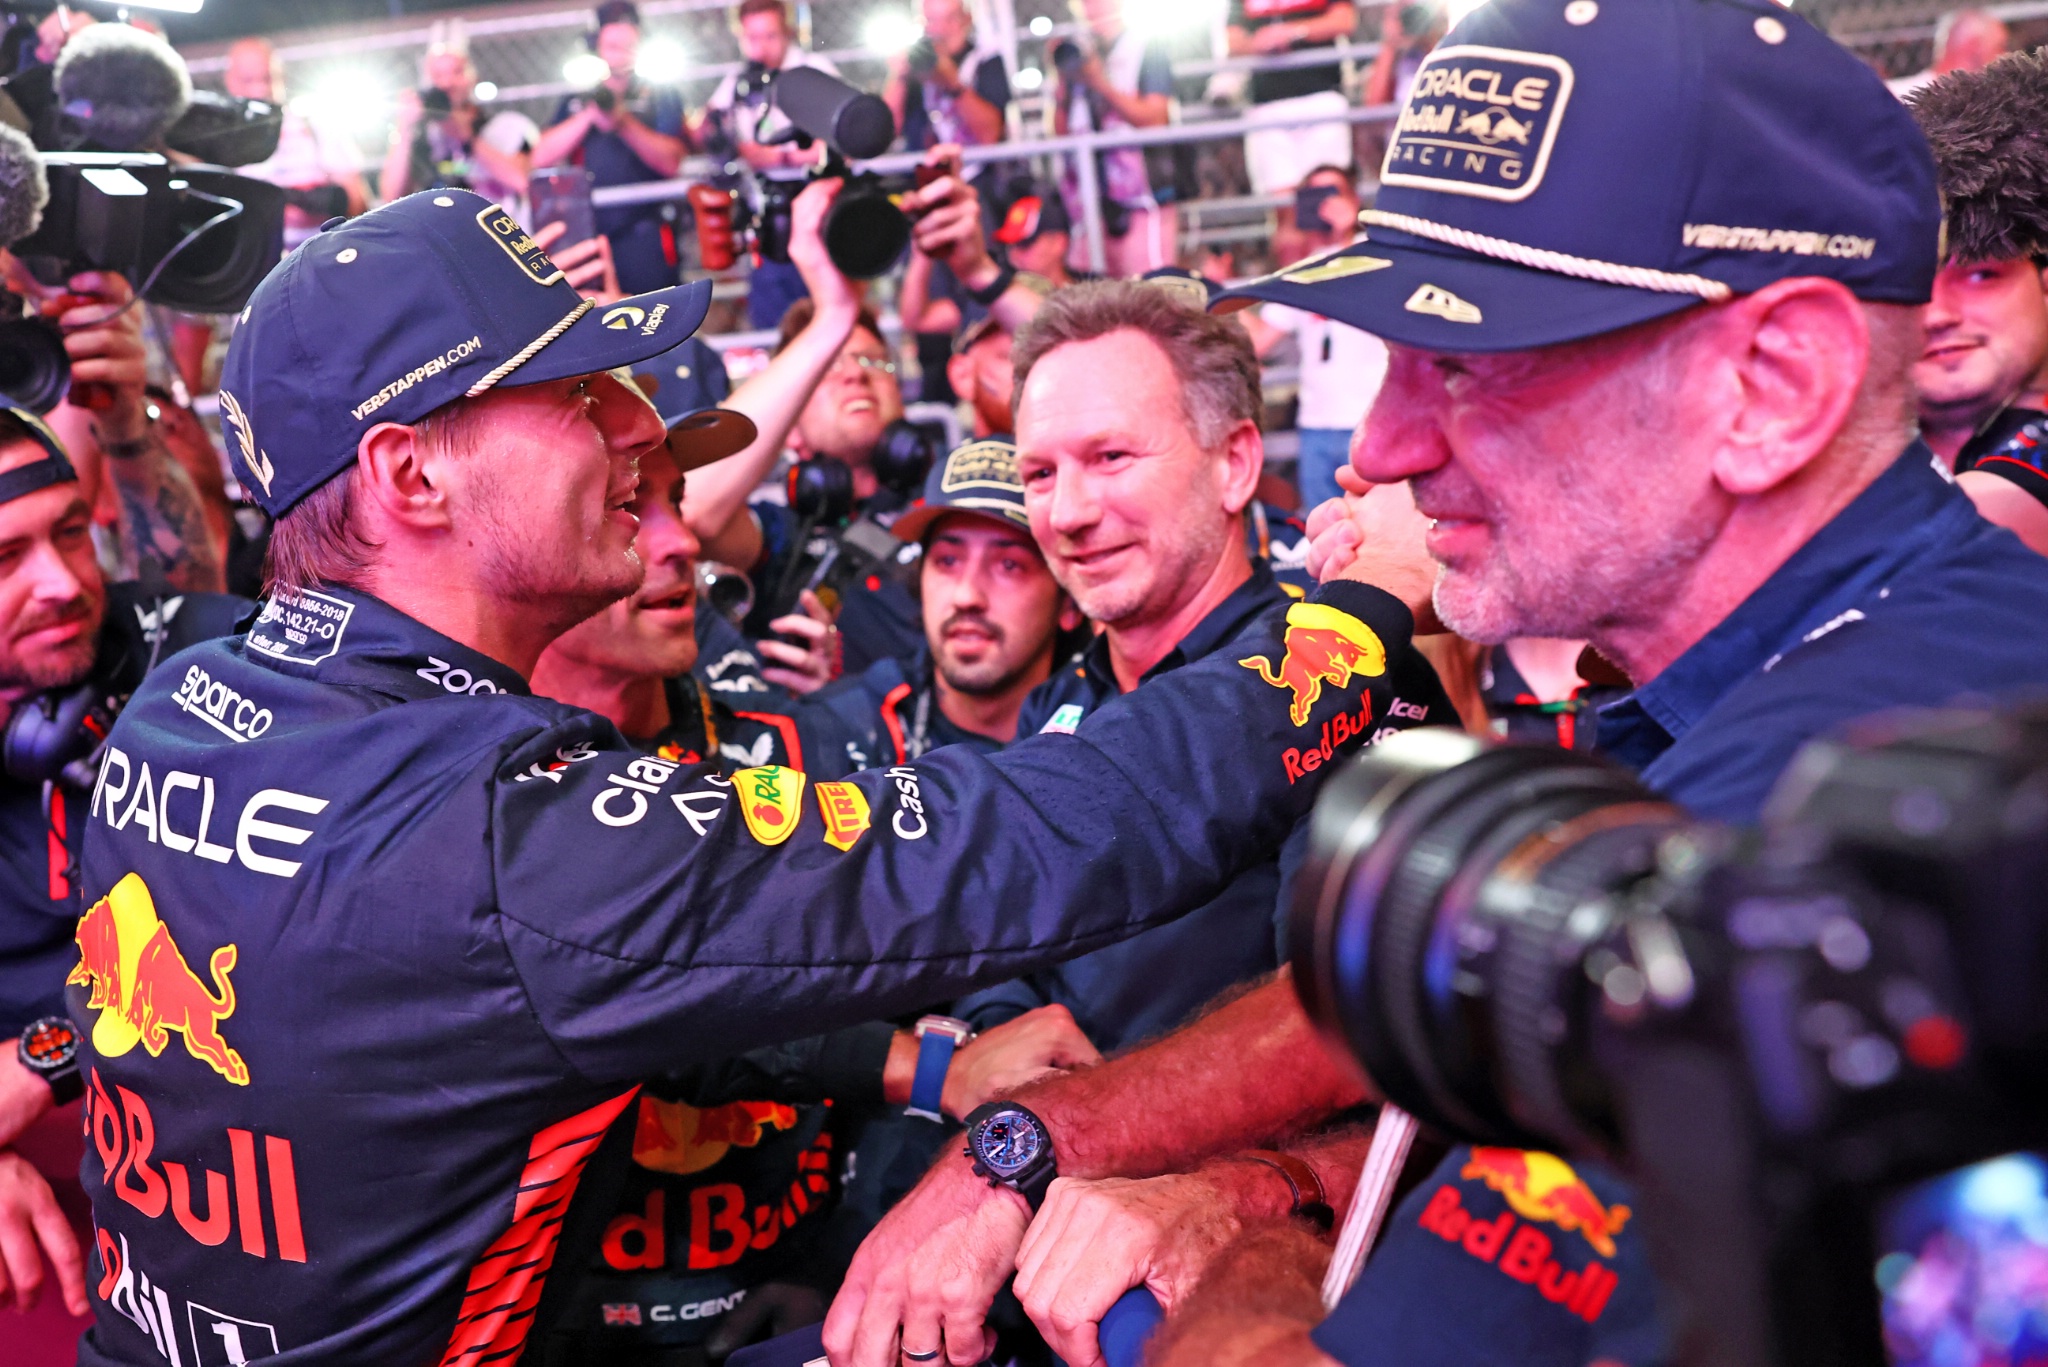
(659, 915)
(992, 83)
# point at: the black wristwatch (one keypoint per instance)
(993, 290)
(49, 1049)
(1012, 1148)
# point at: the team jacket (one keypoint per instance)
(887, 714)
(361, 994)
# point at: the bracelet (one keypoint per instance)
(127, 450)
(1310, 1201)
(993, 291)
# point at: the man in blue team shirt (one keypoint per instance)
(1652, 320)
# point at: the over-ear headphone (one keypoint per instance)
(54, 735)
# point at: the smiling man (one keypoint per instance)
(397, 965)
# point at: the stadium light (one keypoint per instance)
(1159, 17)
(486, 91)
(348, 98)
(586, 69)
(1041, 26)
(1030, 78)
(890, 31)
(662, 61)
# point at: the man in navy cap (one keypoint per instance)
(364, 994)
(1649, 274)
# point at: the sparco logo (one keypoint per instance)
(221, 707)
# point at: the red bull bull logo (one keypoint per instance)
(1542, 1186)
(1322, 645)
(142, 986)
(674, 1137)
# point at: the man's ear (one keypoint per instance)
(1241, 462)
(1797, 351)
(401, 478)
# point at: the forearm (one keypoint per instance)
(391, 182)
(1256, 1303)
(894, 95)
(772, 397)
(1140, 111)
(1338, 21)
(984, 121)
(662, 152)
(914, 295)
(163, 520)
(509, 168)
(1248, 1072)
(556, 145)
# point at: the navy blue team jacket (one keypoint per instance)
(362, 994)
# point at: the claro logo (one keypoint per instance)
(237, 717)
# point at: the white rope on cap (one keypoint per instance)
(1557, 263)
(530, 350)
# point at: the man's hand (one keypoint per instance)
(831, 292)
(1374, 534)
(103, 338)
(587, 264)
(946, 220)
(31, 1227)
(1094, 1240)
(1254, 1307)
(406, 115)
(23, 1098)
(810, 659)
(1020, 1050)
(929, 1271)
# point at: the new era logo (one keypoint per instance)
(1480, 121)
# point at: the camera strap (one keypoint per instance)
(1392, 1137)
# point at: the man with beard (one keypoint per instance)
(993, 618)
(72, 647)
(979, 371)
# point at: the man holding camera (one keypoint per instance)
(624, 132)
(398, 979)
(1786, 560)
(1108, 78)
(320, 165)
(440, 138)
(740, 106)
(949, 87)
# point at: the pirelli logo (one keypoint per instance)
(1480, 121)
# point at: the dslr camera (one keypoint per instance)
(1772, 1032)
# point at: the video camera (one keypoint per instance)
(865, 232)
(1772, 1033)
(835, 548)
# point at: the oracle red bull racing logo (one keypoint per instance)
(143, 988)
(1322, 645)
(1542, 1189)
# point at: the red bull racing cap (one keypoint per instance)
(980, 478)
(384, 318)
(1563, 168)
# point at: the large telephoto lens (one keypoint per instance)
(1448, 925)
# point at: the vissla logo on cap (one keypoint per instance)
(1480, 121)
(625, 316)
(237, 422)
(984, 465)
(506, 232)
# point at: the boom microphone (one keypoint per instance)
(24, 189)
(120, 88)
(852, 123)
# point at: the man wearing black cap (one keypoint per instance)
(1650, 275)
(72, 648)
(363, 996)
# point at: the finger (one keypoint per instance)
(875, 1338)
(60, 1245)
(783, 653)
(814, 607)
(799, 624)
(1326, 514)
(1045, 1231)
(1351, 482)
(794, 681)
(547, 234)
(968, 1342)
(843, 1319)
(21, 1259)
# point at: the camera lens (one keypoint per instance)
(1453, 895)
(34, 369)
(904, 455)
(821, 491)
(728, 591)
(864, 232)
(1066, 58)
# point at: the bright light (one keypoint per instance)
(174, 6)
(890, 31)
(1041, 26)
(1029, 78)
(585, 69)
(1165, 16)
(662, 61)
(486, 91)
(1458, 9)
(352, 100)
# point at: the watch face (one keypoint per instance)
(1008, 1143)
(51, 1042)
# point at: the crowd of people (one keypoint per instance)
(611, 863)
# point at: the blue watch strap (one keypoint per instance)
(928, 1085)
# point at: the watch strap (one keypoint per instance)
(935, 1049)
(993, 290)
(65, 1080)
(1311, 1202)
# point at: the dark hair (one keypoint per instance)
(617, 12)
(778, 8)
(799, 317)
(1989, 131)
(1212, 358)
(320, 539)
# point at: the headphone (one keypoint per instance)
(55, 735)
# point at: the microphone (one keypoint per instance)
(853, 124)
(24, 188)
(121, 88)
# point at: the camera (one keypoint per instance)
(605, 98)
(1067, 59)
(865, 231)
(922, 59)
(835, 547)
(1773, 1033)
(435, 102)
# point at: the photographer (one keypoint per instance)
(624, 132)
(1983, 379)
(319, 162)
(1277, 158)
(739, 106)
(1407, 34)
(440, 139)
(1111, 77)
(949, 87)
(1787, 560)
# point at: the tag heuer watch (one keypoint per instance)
(49, 1049)
(1012, 1148)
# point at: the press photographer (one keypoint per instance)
(440, 137)
(1788, 560)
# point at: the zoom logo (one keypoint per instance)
(237, 717)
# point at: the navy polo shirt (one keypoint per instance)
(1906, 599)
